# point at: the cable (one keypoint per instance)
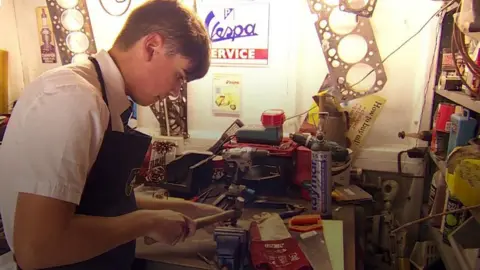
(405, 42)
(427, 85)
(129, 3)
(408, 224)
(300, 114)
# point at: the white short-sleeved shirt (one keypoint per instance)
(55, 133)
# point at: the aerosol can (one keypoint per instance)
(321, 187)
(322, 180)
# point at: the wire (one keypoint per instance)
(129, 3)
(408, 224)
(405, 42)
(425, 90)
(300, 114)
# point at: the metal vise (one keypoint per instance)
(232, 247)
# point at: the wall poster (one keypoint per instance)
(226, 93)
(48, 50)
(239, 31)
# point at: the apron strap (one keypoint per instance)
(102, 85)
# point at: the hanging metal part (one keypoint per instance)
(344, 69)
(171, 114)
(362, 8)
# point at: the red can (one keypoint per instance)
(441, 120)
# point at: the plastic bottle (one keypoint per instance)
(462, 128)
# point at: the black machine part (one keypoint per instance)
(339, 153)
(226, 136)
(260, 135)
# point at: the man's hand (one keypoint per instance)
(198, 210)
(190, 209)
(171, 227)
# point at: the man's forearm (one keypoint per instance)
(150, 203)
(89, 236)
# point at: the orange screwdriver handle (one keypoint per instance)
(305, 223)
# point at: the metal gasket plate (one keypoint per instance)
(171, 113)
(73, 29)
(340, 69)
(362, 8)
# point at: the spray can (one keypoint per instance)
(321, 188)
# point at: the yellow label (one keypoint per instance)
(362, 114)
(3, 81)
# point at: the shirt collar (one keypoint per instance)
(115, 85)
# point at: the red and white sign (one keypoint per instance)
(238, 31)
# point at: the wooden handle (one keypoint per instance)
(206, 221)
(211, 220)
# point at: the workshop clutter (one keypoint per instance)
(163, 169)
(272, 246)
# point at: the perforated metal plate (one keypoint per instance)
(171, 114)
(73, 30)
(347, 70)
(362, 8)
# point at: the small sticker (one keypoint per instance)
(308, 234)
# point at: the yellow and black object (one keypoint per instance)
(3, 82)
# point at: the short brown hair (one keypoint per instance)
(179, 26)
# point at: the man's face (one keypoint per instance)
(162, 74)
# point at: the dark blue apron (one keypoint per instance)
(108, 191)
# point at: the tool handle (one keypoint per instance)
(305, 220)
(210, 220)
(206, 221)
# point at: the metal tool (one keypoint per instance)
(292, 209)
(232, 247)
(230, 215)
(311, 240)
(213, 265)
(241, 160)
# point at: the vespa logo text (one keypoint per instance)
(219, 32)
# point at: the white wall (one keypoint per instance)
(295, 72)
(9, 42)
(407, 71)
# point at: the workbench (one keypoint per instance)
(184, 255)
(340, 241)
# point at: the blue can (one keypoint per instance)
(322, 184)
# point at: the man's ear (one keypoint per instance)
(153, 44)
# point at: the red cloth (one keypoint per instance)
(276, 254)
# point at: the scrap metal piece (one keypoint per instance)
(362, 8)
(333, 37)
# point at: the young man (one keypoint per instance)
(65, 196)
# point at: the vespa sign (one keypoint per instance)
(238, 31)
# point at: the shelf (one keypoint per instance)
(445, 251)
(461, 99)
(441, 164)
